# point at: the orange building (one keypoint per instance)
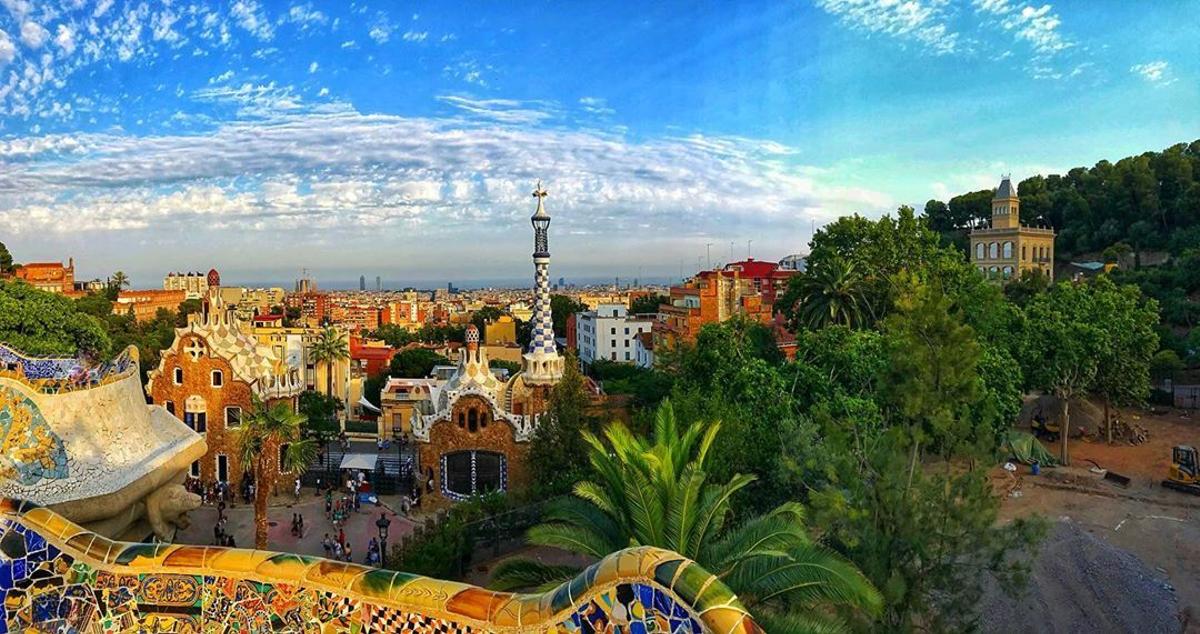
(146, 303)
(313, 306)
(209, 378)
(708, 298)
(52, 277)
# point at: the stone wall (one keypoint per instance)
(447, 436)
(57, 577)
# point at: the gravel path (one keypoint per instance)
(1083, 584)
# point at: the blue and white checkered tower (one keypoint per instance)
(542, 365)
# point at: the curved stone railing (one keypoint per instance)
(56, 576)
(55, 375)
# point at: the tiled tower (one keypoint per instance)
(542, 365)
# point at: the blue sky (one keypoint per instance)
(403, 139)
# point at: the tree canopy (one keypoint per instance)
(40, 323)
(415, 363)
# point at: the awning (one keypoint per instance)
(362, 400)
(359, 461)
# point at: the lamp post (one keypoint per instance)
(397, 436)
(382, 523)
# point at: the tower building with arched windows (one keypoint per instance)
(473, 431)
(1006, 248)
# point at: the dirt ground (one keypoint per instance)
(1159, 526)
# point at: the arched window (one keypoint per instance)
(467, 473)
(1023, 254)
(994, 250)
(993, 271)
(483, 419)
(472, 421)
(979, 250)
(1007, 271)
(1008, 250)
(462, 420)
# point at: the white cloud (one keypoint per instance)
(502, 110)
(249, 15)
(65, 39)
(102, 7)
(8, 50)
(349, 44)
(223, 77)
(18, 8)
(596, 105)
(415, 36)
(33, 34)
(312, 68)
(1156, 72)
(381, 30)
(306, 16)
(324, 92)
(911, 20)
(345, 171)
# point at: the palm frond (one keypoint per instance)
(809, 575)
(515, 574)
(577, 539)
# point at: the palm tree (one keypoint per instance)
(329, 348)
(119, 280)
(831, 293)
(268, 428)
(656, 494)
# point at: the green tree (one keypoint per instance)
(1023, 289)
(330, 348)
(657, 493)
(562, 306)
(1089, 338)
(373, 387)
(319, 410)
(415, 363)
(513, 367)
(6, 260)
(558, 442)
(119, 280)
(830, 292)
(40, 323)
(645, 304)
(271, 441)
(1165, 365)
(394, 335)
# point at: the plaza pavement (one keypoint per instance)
(360, 527)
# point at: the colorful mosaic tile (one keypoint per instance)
(48, 583)
(30, 451)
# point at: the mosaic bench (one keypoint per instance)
(57, 577)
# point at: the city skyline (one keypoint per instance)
(263, 137)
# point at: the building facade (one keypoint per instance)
(51, 277)
(145, 304)
(1006, 248)
(209, 378)
(708, 298)
(194, 284)
(609, 333)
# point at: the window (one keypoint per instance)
(233, 417)
(979, 250)
(195, 469)
(993, 271)
(614, 356)
(1008, 250)
(613, 331)
(200, 420)
(994, 250)
(614, 312)
(218, 379)
(626, 331)
(1007, 272)
(1023, 254)
(222, 468)
(612, 343)
(466, 473)
(626, 355)
(472, 421)
(170, 405)
(178, 376)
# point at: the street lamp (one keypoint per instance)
(382, 523)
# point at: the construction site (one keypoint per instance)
(1122, 550)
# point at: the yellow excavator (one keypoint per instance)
(1184, 474)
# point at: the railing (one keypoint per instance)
(56, 375)
(85, 582)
